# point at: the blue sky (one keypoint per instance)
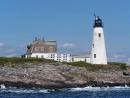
(69, 22)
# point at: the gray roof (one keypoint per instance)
(42, 46)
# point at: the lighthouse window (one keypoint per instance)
(99, 34)
(94, 55)
(93, 45)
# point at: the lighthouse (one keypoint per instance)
(98, 52)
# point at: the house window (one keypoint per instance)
(72, 59)
(42, 56)
(36, 56)
(42, 49)
(51, 49)
(36, 48)
(52, 55)
(85, 60)
(99, 34)
(94, 55)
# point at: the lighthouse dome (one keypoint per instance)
(98, 22)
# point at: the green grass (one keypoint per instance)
(13, 60)
(93, 67)
(122, 66)
(20, 62)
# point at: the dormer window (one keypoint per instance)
(51, 49)
(42, 49)
(36, 48)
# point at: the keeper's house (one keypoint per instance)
(40, 48)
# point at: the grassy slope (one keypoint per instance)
(22, 62)
(92, 67)
(14, 62)
(4, 60)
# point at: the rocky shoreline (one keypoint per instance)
(9, 84)
(58, 76)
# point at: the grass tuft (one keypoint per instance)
(93, 67)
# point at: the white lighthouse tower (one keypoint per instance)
(98, 53)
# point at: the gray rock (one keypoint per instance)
(57, 76)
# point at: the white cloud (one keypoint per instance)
(10, 50)
(69, 45)
(120, 56)
(23, 45)
(1, 44)
(12, 55)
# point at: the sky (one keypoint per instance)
(69, 22)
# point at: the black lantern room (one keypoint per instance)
(97, 22)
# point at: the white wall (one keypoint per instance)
(40, 55)
(78, 59)
(52, 56)
(60, 57)
(99, 47)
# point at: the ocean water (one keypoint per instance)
(87, 92)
